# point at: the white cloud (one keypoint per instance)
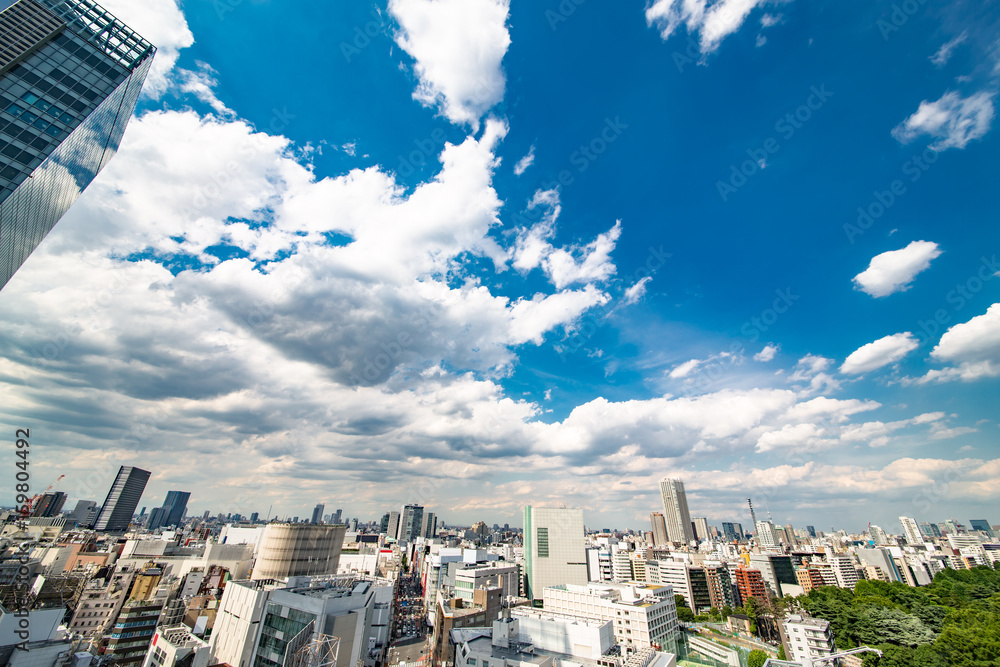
(768, 20)
(685, 369)
(974, 348)
(943, 55)
(877, 433)
(458, 46)
(943, 432)
(162, 23)
(635, 292)
(202, 84)
(812, 369)
(800, 435)
(587, 264)
(953, 120)
(563, 265)
(525, 162)
(881, 353)
(714, 21)
(894, 271)
(767, 354)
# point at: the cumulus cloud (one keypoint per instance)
(812, 369)
(583, 264)
(877, 433)
(162, 23)
(953, 120)
(712, 20)
(973, 349)
(458, 46)
(767, 354)
(894, 271)
(883, 352)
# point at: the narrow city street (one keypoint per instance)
(409, 633)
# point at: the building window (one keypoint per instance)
(543, 542)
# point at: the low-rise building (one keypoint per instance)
(807, 639)
(644, 615)
(175, 646)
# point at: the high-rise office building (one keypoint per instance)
(979, 524)
(659, 529)
(392, 525)
(85, 512)
(766, 535)
(176, 504)
(50, 504)
(410, 522)
(732, 531)
(123, 498)
(554, 548)
(337, 516)
(675, 510)
(911, 531)
(157, 518)
(700, 528)
(811, 530)
(70, 76)
(429, 527)
(317, 516)
(930, 530)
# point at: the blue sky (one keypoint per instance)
(480, 254)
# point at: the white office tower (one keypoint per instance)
(766, 535)
(911, 531)
(621, 565)
(643, 614)
(599, 565)
(700, 528)
(846, 571)
(659, 529)
(392, 528)
(879, 536)
(176, 646)
(554, 548)
(675, 511)
(263, 623)
(809, 639)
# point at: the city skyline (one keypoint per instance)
(740, 254)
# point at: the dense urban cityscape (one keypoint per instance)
(121, 584)
(348, 284)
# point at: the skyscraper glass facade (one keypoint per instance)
(123, 498)
(70, 77)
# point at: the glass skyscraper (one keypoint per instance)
(123, 498)
(70, 76)
(176, 503)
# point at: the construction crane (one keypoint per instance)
(753, 517)
(30, 505)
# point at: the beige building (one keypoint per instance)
(554, 548)
(298, 549)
